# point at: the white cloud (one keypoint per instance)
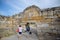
(20, 5)
(2, 13)
(13, 6)
(28, 2)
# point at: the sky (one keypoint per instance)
(11, 7)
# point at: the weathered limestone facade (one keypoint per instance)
(44, 21)
(32, 14)
(35, 14)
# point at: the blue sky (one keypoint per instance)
(10, 7)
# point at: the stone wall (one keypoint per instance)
(49, 31)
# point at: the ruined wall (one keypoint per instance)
(50, 28)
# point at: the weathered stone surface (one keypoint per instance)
(33, 14)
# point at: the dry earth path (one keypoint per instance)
(24, 36)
